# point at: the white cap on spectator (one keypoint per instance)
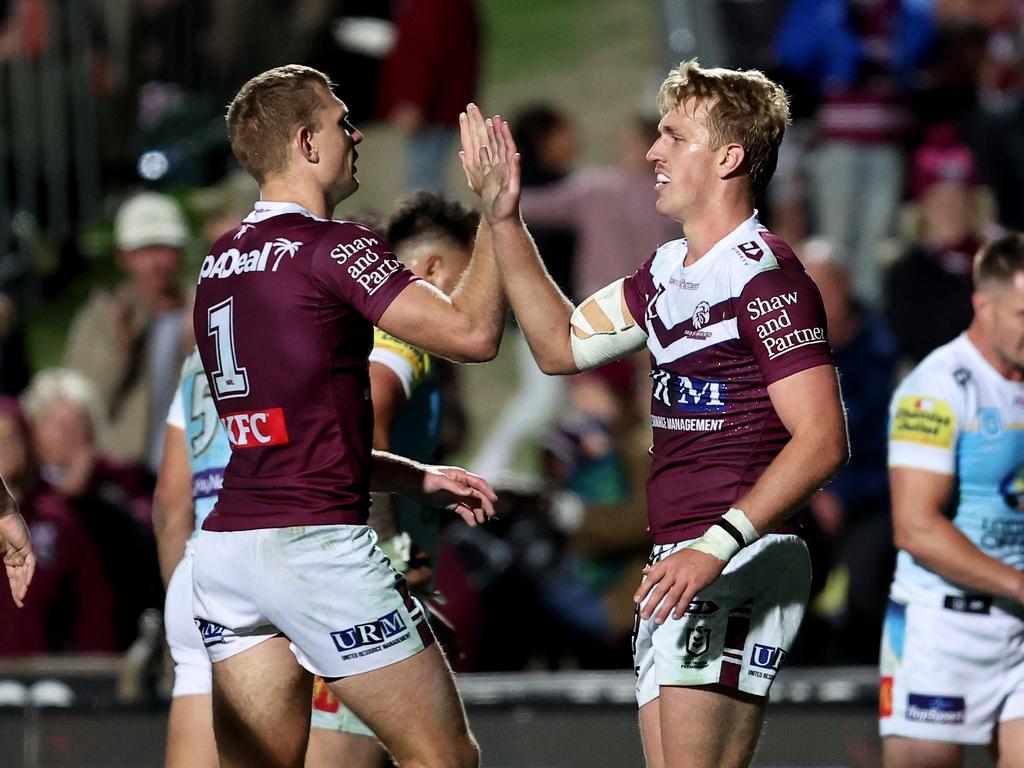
(149, 218)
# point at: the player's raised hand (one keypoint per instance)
(466, 494)
(473, 136)
(670, 584)
(500, 163)
(16, 548)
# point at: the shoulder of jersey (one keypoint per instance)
(942, 367)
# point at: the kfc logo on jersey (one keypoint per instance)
(364, 264)
(235, 262)
(256, 429)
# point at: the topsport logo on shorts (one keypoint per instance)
(945, 710)
(384, 632)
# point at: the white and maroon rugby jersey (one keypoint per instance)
(284, 316)
(719, 332)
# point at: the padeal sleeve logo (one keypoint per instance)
(923, 420)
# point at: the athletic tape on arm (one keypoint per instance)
(602, 329)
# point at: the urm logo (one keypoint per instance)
(370, 633)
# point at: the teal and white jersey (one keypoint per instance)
(208, 449)
(956, 415)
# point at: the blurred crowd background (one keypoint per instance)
(905, 154)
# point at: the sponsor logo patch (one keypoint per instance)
(698, 640)
(688, 394)
(946, 710)
(235, 262)
(885, 697)
(767, 657)
(255, 429)
(701, 608)
(924, 420)
(212, 633)
(371, 637)
(207, 483)
(364, 264)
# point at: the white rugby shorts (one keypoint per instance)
(328, 588)
(950, 674)
(737, 631)
(191, 664)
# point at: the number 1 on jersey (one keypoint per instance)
(230, 379)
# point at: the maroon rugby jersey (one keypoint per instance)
(719, 332)
(284, 316)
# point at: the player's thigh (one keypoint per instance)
(709, 727)
(1009, 744)
(337, 749)
(414, 709)
(190, 742)
(261, 707)
(900, 752)
(650, 734)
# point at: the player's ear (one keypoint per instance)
(304, 139)
(731, 157)
(431, 266)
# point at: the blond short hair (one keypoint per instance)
(265, 113)
(742, 106)
(52, 384)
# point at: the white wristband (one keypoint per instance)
(728, 536)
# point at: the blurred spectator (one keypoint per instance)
(69, 607)
(111, 499)
(427, 80)
(547, 145)
(928, 289)
(610, 209)
(852, 528)
(14, 369)
(130, 342)
(863, 58)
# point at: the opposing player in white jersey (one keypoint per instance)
(952, 659)
(746, 411)
(196, 450)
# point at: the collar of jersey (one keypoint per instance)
(740, 234)
(265, 209)
(980, 360)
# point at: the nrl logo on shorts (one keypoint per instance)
(698, 640)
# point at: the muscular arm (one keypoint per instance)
(921, 529)
(465, 327)
(810, 407)
(173, 508)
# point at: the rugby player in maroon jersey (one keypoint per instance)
(288, 580)
(746, 412)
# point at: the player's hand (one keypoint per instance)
(19, 559)
(473, 137)
(670, 584)
(466, 494)
(491, 163)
